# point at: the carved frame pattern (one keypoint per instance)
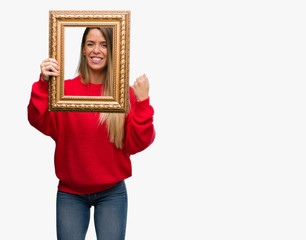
(120, 22)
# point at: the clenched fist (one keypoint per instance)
(141, 88)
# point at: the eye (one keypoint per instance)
(104, 45)
(89, 44)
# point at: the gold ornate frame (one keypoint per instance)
(120, 22)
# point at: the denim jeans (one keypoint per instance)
(110, 213)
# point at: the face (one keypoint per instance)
(95, 50)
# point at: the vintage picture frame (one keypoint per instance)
(120, 22)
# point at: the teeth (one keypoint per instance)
(97, 59)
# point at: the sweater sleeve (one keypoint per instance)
(139, 129)
(38, 113)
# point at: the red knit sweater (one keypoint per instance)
(85, 160)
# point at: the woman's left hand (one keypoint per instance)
(141, 88)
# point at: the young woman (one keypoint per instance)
(92, 155)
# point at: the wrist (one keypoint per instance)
(142, 98)
(43, 80)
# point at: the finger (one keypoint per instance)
(145, 77)
(53, 69)
(49, 61)
(49, 67)
(50, 71)
(53, 60)
(139, 80)
(133, 88)
(50, 74)
(53, 74)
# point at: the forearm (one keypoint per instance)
(38, 114)
(140, 131)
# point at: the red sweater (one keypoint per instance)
(85, 160)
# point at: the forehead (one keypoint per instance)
(95, 35)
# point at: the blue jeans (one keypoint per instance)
(110, 213)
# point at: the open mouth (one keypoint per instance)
(96, 59)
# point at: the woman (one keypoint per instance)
(92, 155)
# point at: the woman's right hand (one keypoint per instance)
(49, 67)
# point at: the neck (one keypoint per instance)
(97, 77)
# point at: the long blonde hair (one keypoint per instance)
(114, 121)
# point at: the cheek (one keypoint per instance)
(86, 51)
(104, 52)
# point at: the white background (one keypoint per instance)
(73, 40)
(228, 88)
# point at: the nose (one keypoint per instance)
(96, 49)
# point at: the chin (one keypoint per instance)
(96, 68)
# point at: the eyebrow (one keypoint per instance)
(94, 41)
